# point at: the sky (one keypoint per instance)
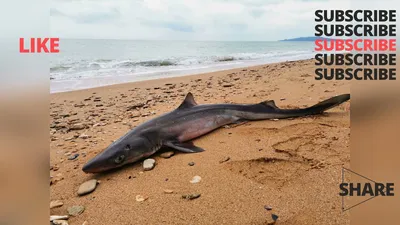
(222, 20)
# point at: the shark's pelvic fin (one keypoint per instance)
(187, 147)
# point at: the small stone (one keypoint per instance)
(77, 126)
(168, 191)
(75, 210)
(227, 85)
(141, 198)
(73, 157)
(167, 155)
(55, 217)
(149, 164)
(191, 164)
(274, 217)
(87, 187)
(267, 207)
(85, 136)
(226, 159)
(195, 180)
(283, 99)
(191, 196)
(56, 204)
(60, 222)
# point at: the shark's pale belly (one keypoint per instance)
(199, 126)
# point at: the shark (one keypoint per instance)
(177, 129)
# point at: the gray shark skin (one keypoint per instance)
(189, 121)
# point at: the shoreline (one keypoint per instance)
(123, 79)
(276, 163)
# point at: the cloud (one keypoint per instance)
(186, 19)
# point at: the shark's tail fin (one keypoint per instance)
(268, 109)
(317, 108)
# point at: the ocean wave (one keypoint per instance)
(59, 68)
(121, 67)
(150, 63)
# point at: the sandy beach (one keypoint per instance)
(292, 166)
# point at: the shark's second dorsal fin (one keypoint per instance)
(188, 102)
(270, 103)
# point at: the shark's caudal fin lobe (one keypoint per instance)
(268, 109)
(188, 102)
(187, 147)
(328, 104)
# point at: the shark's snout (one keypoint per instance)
(91, 167)
(96, 165)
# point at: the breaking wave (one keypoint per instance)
(112, 67)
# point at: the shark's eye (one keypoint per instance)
(119, 159)
(127, 147)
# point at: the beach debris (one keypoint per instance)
(57, 178)
(167, 155)
(225, 159)
(283, 99)
(138, 105)
(87, 187)
(274, 219)
(73, 157)
(85, 136)
(85, 223)
(168, 191)
(76, 210)
(60, 222)
(56, 217)
(191, 164)
(227, 85)
(135, 114)
(56, 204)
(196, 179)
(267, 207)
(191, 196)
(149, 164)
(141, 198)
(77, 126)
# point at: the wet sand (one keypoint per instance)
(293, 165)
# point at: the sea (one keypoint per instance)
(84, 63)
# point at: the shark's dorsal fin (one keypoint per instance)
(188, 102)
(270, 103)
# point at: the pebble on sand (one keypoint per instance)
(226, 159)
(87, 187)
(195, 180)
(55, 217)
(149, 164)
(167, 155)
(267, 207)
(141, 198)
(73, 157)
(55, 204)
(76, 210)
(168, 191)
(191, 164)
(60, 222)
(191, 196)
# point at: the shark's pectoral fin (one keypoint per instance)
(187, 147)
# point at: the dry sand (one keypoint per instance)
(293, 166)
